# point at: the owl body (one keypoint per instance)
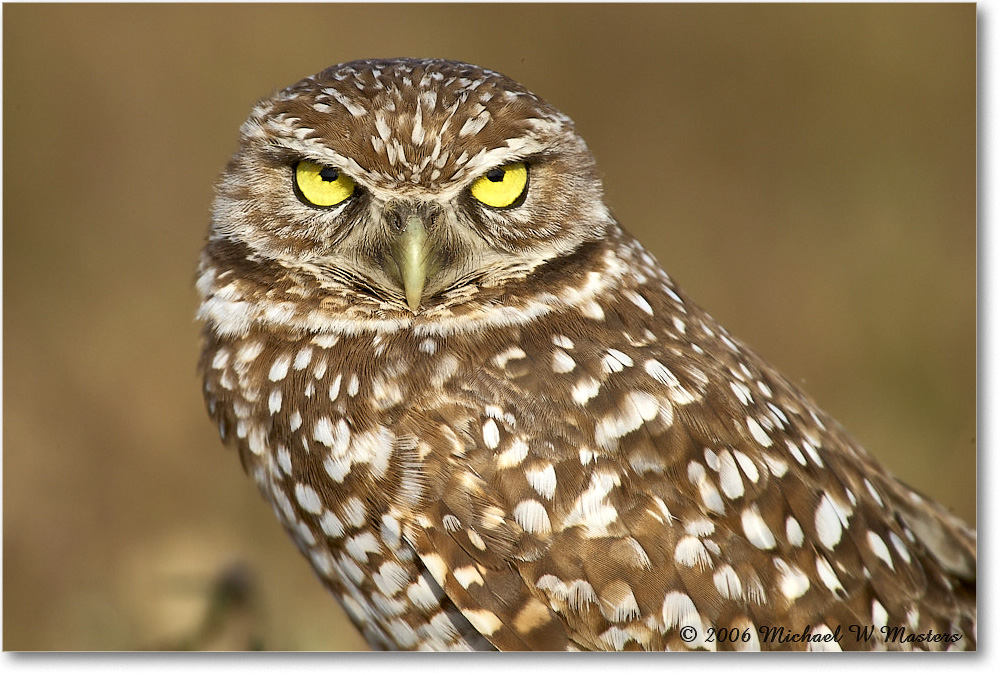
(490, 419)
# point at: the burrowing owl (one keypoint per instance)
(491, 420)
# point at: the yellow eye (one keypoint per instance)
(322, 185)
(502, 186)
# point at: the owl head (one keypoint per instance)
(400, 187)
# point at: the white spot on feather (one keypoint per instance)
(793, 532)
(307, 498)
(758, 432)
(360, 545)
(878, 547)
(618, 603)
(428, 346)
(331, 525)
(592, 509)
(748, 466)
(585, 389)
(728, 583)
(513, 455)
(302, 358)
(827, 575)
(421, 594)
(690, 552)
(591, 310)
(510, 354)
(635, 408)
(336, 437)
(709, 493)
(900, 546)
(543, 480)
(475, 539)
(793, 582)
(664, 376)
(880, 617)
(756, 530)
(274, 401)
(874, 493)
(615, 361)
(639, 301)
(221, 359)
(325, 340)
(474, 125)
(483, 620)
(615, 638)
(795, 452)
(830, 521)
(354, 511)
(741, 391)
(466, 576)
(284, 460)
(823, 645)
(279, 369)
(491, 434)
(576, 594)
(562, 362)
(249, 351)
(699, 527)
(729, 476)
(532, 517)
(778, 467)
(373, 447)
(679, 611)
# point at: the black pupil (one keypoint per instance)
(329, 175)
(495, 175)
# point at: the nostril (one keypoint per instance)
(397, 213)
(393, 218)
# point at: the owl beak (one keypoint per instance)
(412, 255)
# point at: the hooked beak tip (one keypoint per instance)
(413, 300)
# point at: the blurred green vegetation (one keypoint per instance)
(806, 172)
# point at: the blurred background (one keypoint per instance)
(806, 173)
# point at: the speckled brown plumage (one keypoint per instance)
(545, 445)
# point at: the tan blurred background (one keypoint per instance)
(807, 173)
